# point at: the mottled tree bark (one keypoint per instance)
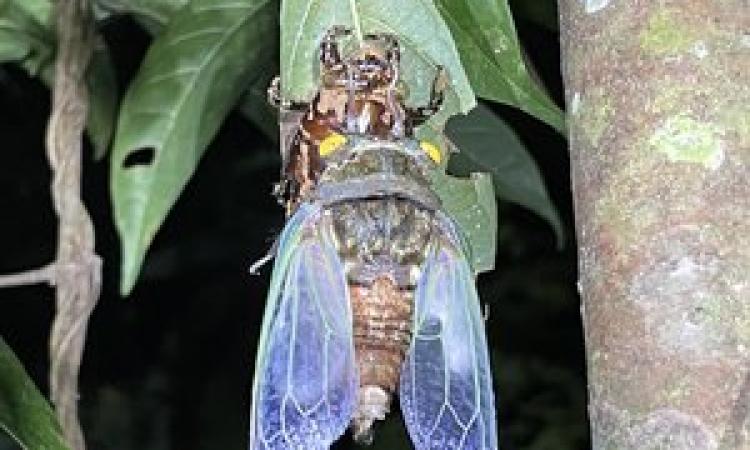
(658, 96)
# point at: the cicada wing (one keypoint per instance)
(446, 385)
(305, 382)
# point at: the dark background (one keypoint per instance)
(170, 367)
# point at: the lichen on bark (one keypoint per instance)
(659, 110)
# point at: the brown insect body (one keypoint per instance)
(383, 229)
(356, 96)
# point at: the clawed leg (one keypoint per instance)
(275, 99)
(330, 56)
(391, 46)
(389, 43)
(437, 96)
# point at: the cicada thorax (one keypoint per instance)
(331, 115)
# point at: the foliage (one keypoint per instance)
(27, 38)
(486, 38)
(478, 135)
(174, 106)
(24, 413)
(208, 56)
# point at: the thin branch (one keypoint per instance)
(45, 274)
(78, 268)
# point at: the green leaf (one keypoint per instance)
(39, 10)
(103, 100)
(193, 74)
(424, 38)
(471, 203)
(155, 12)
(153, 15)
(255, 107)
(24, 412)
(24, 39)
(27, 38)
(486, 39)
(487, 143)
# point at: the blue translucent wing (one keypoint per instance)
(305, 381)
(446, 385)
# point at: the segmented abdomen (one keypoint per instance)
(383, 242)
(382, 331)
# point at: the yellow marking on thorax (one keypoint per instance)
(331, 143)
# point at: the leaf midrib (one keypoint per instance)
(172, 120)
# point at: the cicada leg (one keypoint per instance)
(276, 100)
(390, 44)
(437, 95)
(392, 49)
(330, 57)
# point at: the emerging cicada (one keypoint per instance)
(372, 292)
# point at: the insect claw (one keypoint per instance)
(274, 92)
(437, 96)
(329, 46)
(273, 95)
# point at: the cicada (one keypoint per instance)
(372, 292)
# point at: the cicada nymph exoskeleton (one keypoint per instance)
(372, 293)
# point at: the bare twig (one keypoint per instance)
(45, 274)
(78, 268)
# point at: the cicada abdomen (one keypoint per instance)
(372, 293)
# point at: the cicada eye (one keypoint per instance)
(432, 151)
(331, 143)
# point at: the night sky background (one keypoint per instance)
(170, 367)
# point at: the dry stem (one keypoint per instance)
(78, 268)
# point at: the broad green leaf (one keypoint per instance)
(486, 39)
(39, 10)
(24, 39)
(254, 104)
(103, 99)
(153, 15)
(471, 203)
(27, 38)
(193, 74)
(255, 107)
(155, 12)
(486, 143)
(24, 412)
(424, 38)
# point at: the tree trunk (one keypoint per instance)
(658, 96)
